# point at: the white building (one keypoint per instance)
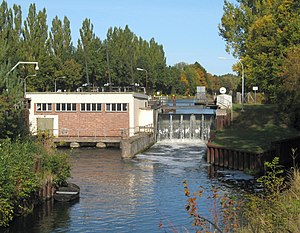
(89, 114)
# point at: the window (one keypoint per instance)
(94, 107)
(43, 107)
(68, 107)
(108, 107)
(120, 107)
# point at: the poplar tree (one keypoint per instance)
(63, 55)
(10, 31)
(88, 53)
(36, 47)
(120, 49)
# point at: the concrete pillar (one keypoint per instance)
(74, 145)
(101, 145)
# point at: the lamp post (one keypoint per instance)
(243, 78)
(32, 75)
(141, 69)
(21, 62)
(62, 77)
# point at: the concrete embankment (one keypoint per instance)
(136, 144)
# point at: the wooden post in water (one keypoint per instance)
(217, 156)
(212, 155)
(241, 161)
(221, 157)
(208, 154)
(230, 159)
(226, 158)
(236, 160)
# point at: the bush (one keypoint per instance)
(277, 208)
(19, 177)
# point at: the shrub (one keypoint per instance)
(19, 177)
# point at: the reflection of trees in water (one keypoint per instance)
(44, 218)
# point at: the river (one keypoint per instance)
(144, 194)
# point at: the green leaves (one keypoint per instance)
(260, 33)
(19, 176)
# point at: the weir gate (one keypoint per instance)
(186, 123)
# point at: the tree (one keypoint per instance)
(72, 71)
(10, 32)
(36, 47)
(260, 33)
(88, 51)
(202, 75)
(12, 121)
(289, 94)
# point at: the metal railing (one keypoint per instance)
(99, 132)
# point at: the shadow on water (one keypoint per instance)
(44, 218)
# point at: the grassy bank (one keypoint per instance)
(254, 129)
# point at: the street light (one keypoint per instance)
(21, 62)
(32, 75)
(62, 77)
(140, 69)
(243, 78)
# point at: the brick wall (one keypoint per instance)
(89, 124)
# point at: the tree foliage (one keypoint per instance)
(289, 94)
(92, 61)
(261, 33)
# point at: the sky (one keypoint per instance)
(187, 29)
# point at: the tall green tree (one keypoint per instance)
(88, 53)
(12, 121)
(121, 49)
(260, 33)
(62, 52)
(289, 94)
(10, 33)
(36, 47)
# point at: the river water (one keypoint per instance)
(144, 194)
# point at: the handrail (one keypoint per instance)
(99, 132)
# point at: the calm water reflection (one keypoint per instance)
(126, 195)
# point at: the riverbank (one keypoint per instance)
(29, 172)
(254, 129)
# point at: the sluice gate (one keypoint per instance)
(184, 126)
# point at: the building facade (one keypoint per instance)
(89, 114)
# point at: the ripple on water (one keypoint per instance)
(129, 195)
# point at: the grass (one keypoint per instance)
(276, 214)
(254, 129)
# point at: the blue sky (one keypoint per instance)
(187, 29)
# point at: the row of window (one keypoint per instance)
(84, 107)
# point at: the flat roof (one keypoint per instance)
(135, 94)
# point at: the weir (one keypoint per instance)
(184, 126)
